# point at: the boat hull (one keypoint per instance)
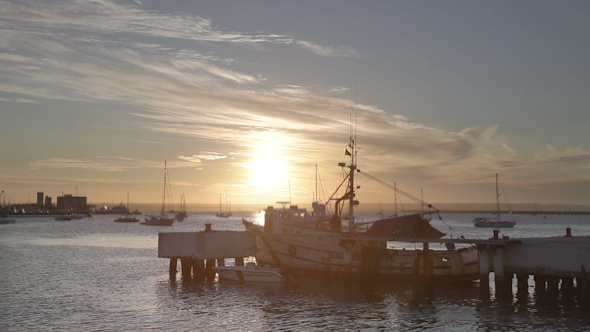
(158, 221)
(127, 219)
(483, 222)
(322, 255)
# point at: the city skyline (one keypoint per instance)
(247, 98)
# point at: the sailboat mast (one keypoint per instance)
(164, 195)
(497, 198)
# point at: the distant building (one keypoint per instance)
(39, 199)
(47, 201)
(69, 202)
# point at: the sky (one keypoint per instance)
(245, 98)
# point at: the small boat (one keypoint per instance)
(180, 215)
(127, 218)
(494, 222)
(64, 217)
(4, 220)
(162, 219)
(486, 222)
(221, 213)
(158, 220)
(250, 272)
(3, 213)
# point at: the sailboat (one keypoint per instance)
(182, 213)
(162, 219)
(221, 213)
(320, 244)
(494, 222)
(3, 215)
(127, 218)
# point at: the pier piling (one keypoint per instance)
(522, 288)
(484, 273)
(173, 262)
(186, 267)
(540, 284)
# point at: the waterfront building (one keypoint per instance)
(69, 202)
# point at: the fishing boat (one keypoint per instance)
(497, 220)
(221, 213)
(180, 215)
(250, 272)
(162, 219)
(318, 243)
(126, 217)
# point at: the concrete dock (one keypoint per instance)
(558, 265)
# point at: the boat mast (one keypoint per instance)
(164, 195)
(351, 188)
(497, 198)
(316, 195)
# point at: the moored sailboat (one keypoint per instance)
(181, 215)
(223, 214)
(127, 218)
(162, 219)
(496, 221)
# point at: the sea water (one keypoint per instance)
(95, 274)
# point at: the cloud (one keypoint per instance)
(77, 163)
(19, 100)
(330, 51)
(204, 155)
(104, 163)
(81, 19)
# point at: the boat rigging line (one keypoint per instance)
(415, 199)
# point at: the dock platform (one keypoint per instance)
(558, 264)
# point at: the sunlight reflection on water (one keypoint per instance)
(111, 241)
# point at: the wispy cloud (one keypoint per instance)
(77, 163)
(330, 51)
(204, 155)
(18, 100)
(104, 163)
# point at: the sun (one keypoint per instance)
(269, 171)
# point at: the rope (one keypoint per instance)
(415, 199)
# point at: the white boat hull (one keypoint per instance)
(247, 273)
(325, 255)
(158, 221)
(483, 222)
